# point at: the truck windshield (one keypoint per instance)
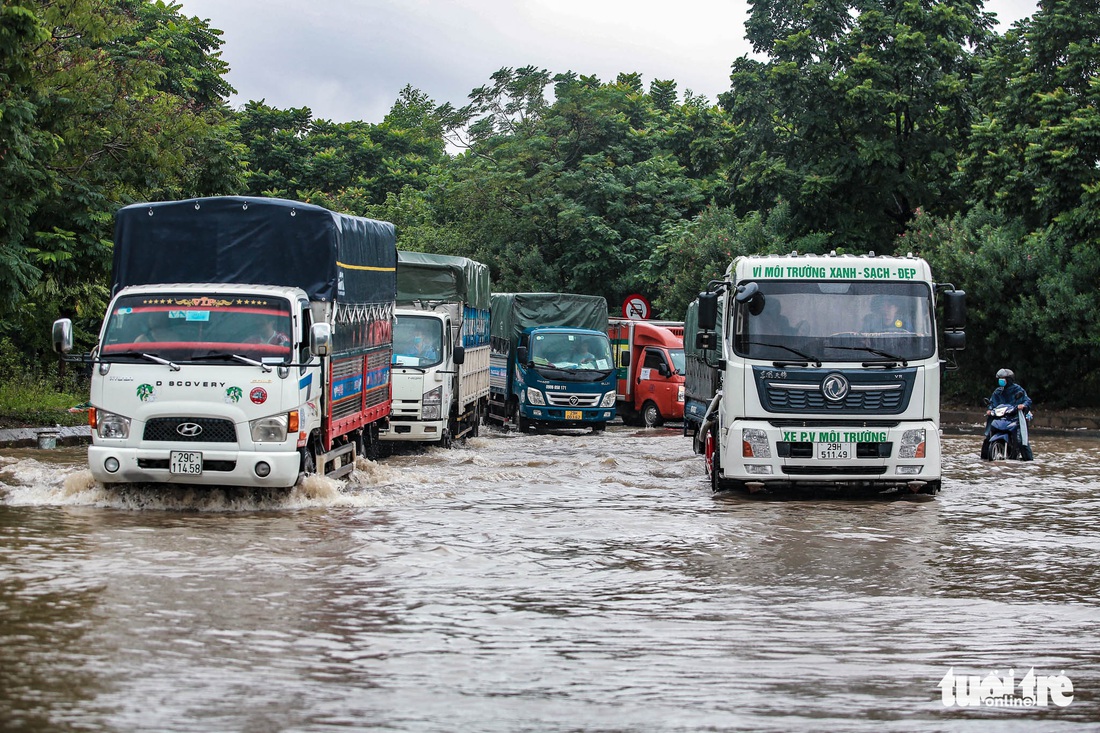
(190, 327)
(585, 355)
(678, 360)
(417, 341)
(837, 321)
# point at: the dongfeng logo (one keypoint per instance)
(189, 429)
(835, 387)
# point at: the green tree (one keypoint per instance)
(858, 116)
(1034, 150)
(118, 104)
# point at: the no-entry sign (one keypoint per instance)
(636, 307)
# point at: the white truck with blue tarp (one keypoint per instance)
(440, 368)
(831, 373)
(550, 362)
(246, 343)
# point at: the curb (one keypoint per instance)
(29, 437)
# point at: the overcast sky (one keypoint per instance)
(348, 59)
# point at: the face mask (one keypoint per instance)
(1001, 382)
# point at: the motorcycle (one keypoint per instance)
(1005, 424)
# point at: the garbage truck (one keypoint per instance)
(649, 359)
(831, 369)
(246, 343)
(550, 362)
(440, 366)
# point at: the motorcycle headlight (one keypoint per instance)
(268, 429)
(432, 405)
(534, 396)
(608, 400)
(110, 425)
(912, 444)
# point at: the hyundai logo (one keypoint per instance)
(835, 387)
(189, 429)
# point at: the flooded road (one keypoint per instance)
(550, 583)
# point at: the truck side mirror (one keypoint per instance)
(706, 340)
(624, 358)
(750, 293)
(954, 309)
(62, 335)
(954, 340)
(521, 354)
(459, 355)
(320, 339)
(708, 311)
(663, 370)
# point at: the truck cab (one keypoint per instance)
(564, 378)
(650, 374)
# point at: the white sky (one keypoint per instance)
(348, 59)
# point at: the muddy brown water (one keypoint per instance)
(548, 583)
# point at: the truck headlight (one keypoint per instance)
(912, 444)
(534, 396)
(110, 425)
(754, 444)
(680, 393)
(432, 404)
(268, 429)
(608, 400)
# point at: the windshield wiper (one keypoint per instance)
(236, 357)
(811, 359)
(869, 350)
(153, 357)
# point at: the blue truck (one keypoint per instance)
(550, 362)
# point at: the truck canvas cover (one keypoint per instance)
(430, 277)
(514, 312)
(251, 240)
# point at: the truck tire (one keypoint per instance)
(651, 415)
(712, 457)
(523, 425)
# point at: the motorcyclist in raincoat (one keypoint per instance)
(1008, 393)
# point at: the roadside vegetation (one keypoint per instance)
(891, 127)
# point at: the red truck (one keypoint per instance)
(649, 356)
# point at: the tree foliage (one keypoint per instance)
(114, 101)
(885, 125)
(857, 116)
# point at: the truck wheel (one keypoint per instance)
(712, 458)
(522, 424)
(651, 416)
(445, 441)
(307, 465)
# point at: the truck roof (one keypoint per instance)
(829, 267)
(254, 240)
(514, 312)
(423, 276)
(667, 334)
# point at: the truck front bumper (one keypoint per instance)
(413, 431)
(903, 456)
(560, 417)
(219, 467)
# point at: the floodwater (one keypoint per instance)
(567, 582)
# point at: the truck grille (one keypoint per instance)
(190, 430)
(565, 399)
(862, 393)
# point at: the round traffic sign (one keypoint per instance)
(636, 307)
